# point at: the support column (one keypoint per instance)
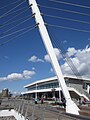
(59, 93)
(36, 95)
(88, 89)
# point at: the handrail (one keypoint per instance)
(80, 90)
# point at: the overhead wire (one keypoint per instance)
(7, 41)
(9, 4)
(64, 10)
(12, 9)
(64, 54)
(64, 18)
(17, 25)
(69, 28)
(69, 3)
(5, 23)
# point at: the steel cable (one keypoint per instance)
(64, 18)
(15, 21)
(5, 23)
(64, 55)
(69, 28)
(16, 25)
(18, 35)
(68, 3)
(12, 9)
(64, 10)
(10, 4)
(14, 32)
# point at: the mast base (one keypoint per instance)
(72, 108)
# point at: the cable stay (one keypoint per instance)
(7, 22)
(64, 18)
(69, 28)
(26, 31)
(68, 3)
(15, 11)
(20, 30)
(65, 56)
(15, 21)
(12, 9)
(64, 10)
(16, 25)
(9, 4)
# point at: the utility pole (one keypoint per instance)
(71, 107)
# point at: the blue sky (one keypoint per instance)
(24, 59)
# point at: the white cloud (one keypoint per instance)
(81, 60)
(28, 74)
(40, 60)
(3, 78)
(47, 58)
(71, 51)
(88, 39)
(18, 76)
(65, 41)
(35, 59)
(33, 68)
(58, 55)
(14, 76)
(51, 70)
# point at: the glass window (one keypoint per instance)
(45, 86)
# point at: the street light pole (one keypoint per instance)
(70, 105)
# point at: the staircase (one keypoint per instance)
(80, 91)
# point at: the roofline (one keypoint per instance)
(55, 77)
(40, 81)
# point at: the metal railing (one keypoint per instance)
(32, 111)
(80, 90)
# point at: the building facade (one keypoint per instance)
(50, 88)
(5, 92)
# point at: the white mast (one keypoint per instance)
(70, 105)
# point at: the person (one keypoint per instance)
(84, 101)
(63, 102)
(55, 100)
(0, 101)
(35, 100)
(80, 102)
(42, 99)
